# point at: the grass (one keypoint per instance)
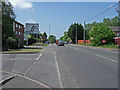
(45, 45)
(102, 46)
(39, 44)
(109, 46)
(24, 50)
(86, 44)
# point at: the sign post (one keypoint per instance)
(32, 28)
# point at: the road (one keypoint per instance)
(68, 66)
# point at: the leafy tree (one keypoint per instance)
(8, 18)
(45, 37)
(12, 43)
(101, 32)
(72, 32)
(52, 39)
(114, 21)
(107, 22)
(65, 38)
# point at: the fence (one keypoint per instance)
(82, 41)
(115, 41)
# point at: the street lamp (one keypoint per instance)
(76, 34)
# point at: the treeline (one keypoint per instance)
(106, 21)
(78, 28)
(8, 17)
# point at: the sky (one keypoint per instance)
(60, 15)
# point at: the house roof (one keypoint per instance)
(19, 23)
(115, 28)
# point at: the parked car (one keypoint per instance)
(70, 42)
(47, 42)
(57, 41)
(60, 43)
(65, 42)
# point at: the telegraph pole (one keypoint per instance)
(84, 33)
(49, 29)
(76, 34)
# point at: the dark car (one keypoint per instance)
(60, 43)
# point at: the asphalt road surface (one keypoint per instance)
(68, 66)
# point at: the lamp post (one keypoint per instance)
(49, 29)
(76, 34)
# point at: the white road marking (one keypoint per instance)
(39, 57)
(58, 70)
(76, 48)
(107, 58)
(28, 79)
(5, 80)
(33, 64)
(101, 49)
(99, 56)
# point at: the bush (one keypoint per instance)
(25, 42)
(31, 40)
(99, 33)
(21, 46)
(12, 43)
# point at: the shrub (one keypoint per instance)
(99, 33)
(12, 43)
(31, 40)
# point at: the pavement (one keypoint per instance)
(69, 66)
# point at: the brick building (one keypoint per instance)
(18, 28)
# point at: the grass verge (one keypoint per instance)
(102, 46)
(39, 44)
(25, 50)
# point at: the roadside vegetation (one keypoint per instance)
(112, 46)
(24, 50)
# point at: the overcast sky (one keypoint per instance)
(60, 15)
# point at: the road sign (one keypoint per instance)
(32, 28)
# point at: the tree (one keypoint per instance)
(101, 32)
(52, 39)
(107, 22)
(45, 37)
(72, 32)
(65, 38)
(114, 21)
(8, 17)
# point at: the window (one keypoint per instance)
(19, 26)
(16, 25)
(16, 32)
(19, 33)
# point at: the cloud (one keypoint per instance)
(21, 4)
(31, 21)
